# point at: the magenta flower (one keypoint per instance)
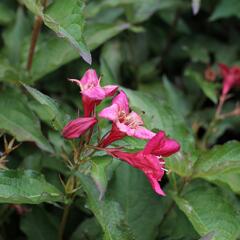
(77, 127)
(150, 159)
(231, 77)
(92, 92)
(124, 121)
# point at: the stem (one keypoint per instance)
(63, 221)
(214, 121)
(35, 33)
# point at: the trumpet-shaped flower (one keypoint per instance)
(231, 77)
(150, 159)
(124, 121)
(77, 127)
(92, 92)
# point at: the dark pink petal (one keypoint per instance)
(160, 145)
(110, 113)
(154, 142)
(110, 90)
(122, 101)
(224, 69)
(228, 83)
(113, 136)
(89, 78)
(168, 148)
(96, 93)
(77, 127)
(155, 185)
(89, 105)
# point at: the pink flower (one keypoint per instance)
(77, 127)
(150, 159)
(124, 121)
(231, 77)
(92, 92)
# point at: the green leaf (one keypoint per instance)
(54, 116)
(142, 207)
(230, 179)
(209, 210)
(225, 9)
(182, 229)
(208, 88)
(18, 31)
(38, 224)
(108, 213)
(142, 9)
(65, 18)
(26, 187)
(6, 14)
(99, 173)
(220, 159)
(18, 120)
(176, 98)
(53, 53)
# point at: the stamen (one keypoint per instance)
(164, 169)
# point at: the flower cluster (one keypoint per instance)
(125, 122)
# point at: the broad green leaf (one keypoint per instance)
(182, 229)
(220, 159)
(65, 18)
(7, 72)
(54, 116)
(26, 187)
(231, 179)
(209, 89)
(99, 173)
(175, 98)
(96, 34)
(6, 14)
(18, 31)
(53, 53)
(210, 210)
(142, 207)
(108, 213)
(225, 9)
(18, 120)
(38, 224)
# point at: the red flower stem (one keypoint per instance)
(35, 33)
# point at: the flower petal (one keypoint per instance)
(143, 133)
(110, 90)
(154, 142)
(160, 145)
(110, 113)
(96, 93)
(155, 185)
(90, 78)
(77, 127)
(122, 101)
(224, 69)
